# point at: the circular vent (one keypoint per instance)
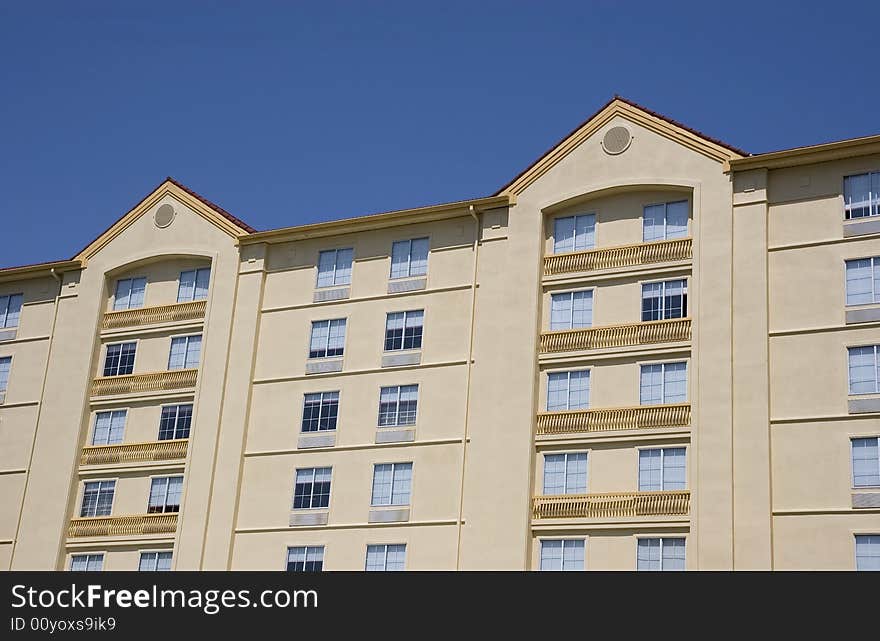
(616, 140)
(164, 216)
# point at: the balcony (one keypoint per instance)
(614, 505)
(647, 333)
(193, 310)
(122, 525)
(621, 256)
(614, 418)
(134, 452)
(151, 382)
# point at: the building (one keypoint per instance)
(649, 350)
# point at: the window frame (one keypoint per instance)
(4, 388)
(73, 555)
(568, 373)
(195, 271)
(662, 449)
(302, 421)
(82, 497)
(421, 334)
(409, 259)
(335, 252)
(314, 470)
(391, 503)
(856, 536)
(384, 547)
(167, 478)
(141, 554)
(663, 364)
(135, 342)
(186, 351)
(586, 454)
(4, 311)
(874, 369)
(662, 538)
(875, 294)
(131, 280)
(852, 460)
(329, 322)
(571, 292)
(176, 407)
(397, 423)
(664, 282)
(111, 412)
(305, 549)
(575, 216)
(873, 199)
(563, 540)
(665, 204)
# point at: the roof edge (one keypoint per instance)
(36, 270)
(809, 154)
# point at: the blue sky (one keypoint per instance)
(287, 113)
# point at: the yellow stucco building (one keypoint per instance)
(650, 350)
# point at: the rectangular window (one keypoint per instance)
(568, 391)
(863, 372)
(155, 562)
(175, 422)
(86, 562)
(328, 338)
(661, 554)
(334, 267)
(403, 330)
(97, 498)
(307, 558)
(119, 359)
(571, 310)
(312, 488)
(398, 405)
(185, 352)
(574, 233)
(565, 473)
(562, 555)
(662, 469)
(193, 285)
(664, 300)
(129, 293)
(863, 281)
(391, 484)
(386, 558)
(409, 258)
(663, 383)
(165, 494)
(868, 552)
(109, 427)
(665, 221)
(320, 411)
(866, 462)
(861, 195)
(5, 366)
(10, 310)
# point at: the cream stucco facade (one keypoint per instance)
(710, 426)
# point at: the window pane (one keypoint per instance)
(675, 382)
(674, 301)
(412, 334)
(388, 405)
(856, 195)
(123, 294)
(326, 268)
(868, 552)
(652, 223)
(193, 351)
(585, 232)
(419, 258)
(186, 287)
(318, 343)
(551, 555)
(402, 484)
(673, 554)
(576, 473)
(400, 259)
(676, 219)
(563, 235)
(336, 339)
(648, 555)
(651, 385)
(866, 462)
(557, 391)
(859, 282)
(138, 287)
(579, 390)
(13, 310)
(650, 471)
(674, 468)
(409, 397)
(203, 277)
(5, 365)
(554, 473)
(343, 270)
(381, 485)
(862, 371)
(177, 356)
(572, 555)
(394, 324)
(651, 301)
(560, 311)
(582, 309)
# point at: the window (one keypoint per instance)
(193, 285)
(868, 552)
(571, 310)
(662, 469)
(665, 221)
(165, 494)
(5, 366)
(386, 558)
(10, 310)
(409, 258)
(574, 233)
(320, 411)
(667, 299)
(109, 427)
(86, 562)
(185, 352)
(308, 558)
(663, 383)
(391, 484)
(660, 554)
(565, 473)
(398, 405)
(403, 330)
(866, 462)
(562, 555)
(97, 498)
(861, 195)
(175, 422)
(863, 281)
(119, 359)
(568, 391)
(312, 489)
(334, 267)
(129, 293)
(863, 371)
(328, 338)
(155, 562)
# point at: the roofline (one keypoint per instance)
(809, 154)
(35, 270)
(233, 219)
(379, 220)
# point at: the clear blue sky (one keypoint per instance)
(287, 113)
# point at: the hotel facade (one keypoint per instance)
(650, 350)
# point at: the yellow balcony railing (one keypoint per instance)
(622, 256)
(134, 452)
(618, 504)
(150, 315)
(649, 332)
(151, 382)
(614, 418)
(122, 525)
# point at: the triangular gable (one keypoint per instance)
(617, 106)
(214, 214)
